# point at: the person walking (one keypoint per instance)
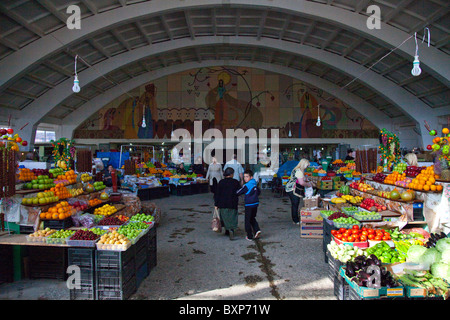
(252, 192)
(214, 174)
(297, 183)
(237, 167)
(226, 201)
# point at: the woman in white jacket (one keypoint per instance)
(214, 174)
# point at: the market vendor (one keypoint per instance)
(107, 178)
(350, 155)
(411, 159)
(181, 169)
(198, 168)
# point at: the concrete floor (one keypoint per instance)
(196, 263)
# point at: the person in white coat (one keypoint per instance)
(214, 174)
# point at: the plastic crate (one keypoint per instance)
(58, 224)
(81, 257)
(82, 243)
(142, 273)
(113, 259)
(341, 288)
(114, 293)
(113, 247)
(141, 257)
(84, 293)
(36, 239)
(115, 277)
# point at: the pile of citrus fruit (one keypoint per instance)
(426, 181)
(59, 212)
(105, 210)
(70, 176)
(394, 177)
(26, 175)
(61, 191)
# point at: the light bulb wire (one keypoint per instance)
(76, 74)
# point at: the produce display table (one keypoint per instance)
(105, 274)
(188, 189)
(431, 202)
(153, 193)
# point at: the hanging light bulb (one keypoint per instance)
(416, 71)
(76, 82)
(318, 116)
(143, 119)
(290, 133)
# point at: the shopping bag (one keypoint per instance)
(216, 225)
(309, 192)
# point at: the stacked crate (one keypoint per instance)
(48, 263)
(115, 274)
(84, 258)
(142, 265)
(152, 253)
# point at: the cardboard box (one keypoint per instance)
(311, 216)
(311, 202)
(311, 230)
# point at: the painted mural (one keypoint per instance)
(223, 98)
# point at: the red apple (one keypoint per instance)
(24, 143)
(10, 131)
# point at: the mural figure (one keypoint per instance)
(147, 104)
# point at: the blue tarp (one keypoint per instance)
(287, 166)
(114, 158)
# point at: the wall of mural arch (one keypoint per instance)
(225, 97)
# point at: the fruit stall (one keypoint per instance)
(55, 218)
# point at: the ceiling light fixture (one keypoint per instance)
(318, 116)
(76, 82)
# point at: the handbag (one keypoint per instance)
(299, 190)
(216, 225)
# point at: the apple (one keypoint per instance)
(10, 131)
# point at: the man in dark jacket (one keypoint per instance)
(226, 201)
(252, 192)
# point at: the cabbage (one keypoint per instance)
(445, 257)
(430, 256)
(415, 253)
(443, 244)
(441, 270)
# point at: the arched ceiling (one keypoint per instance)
(37, 51)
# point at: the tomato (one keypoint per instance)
(342, 230)
(364, 233)
(364, 229)
(333, 232)
(388, 237)
(370, 236)
(339, 236)
(377, 238)
(350, 239)
(363, 238)
(355, 227)
(344, 238)
(355, 231)
(384, 238)
(370, 231)
(357, 238)
(378, 231)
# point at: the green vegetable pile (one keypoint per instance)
(142, 217)
(385, 253)
(424, 279)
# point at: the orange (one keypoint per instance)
(62, 216)
(419, 187)
(433, 187)
(426, 188)
(428, 183)
(55, 216)
(42, 215)
(433, 180)
(438, 187)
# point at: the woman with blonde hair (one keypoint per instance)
(411, 159)
(297, 183)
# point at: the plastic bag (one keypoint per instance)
(216, 225)
(87, 220)
(309, 192)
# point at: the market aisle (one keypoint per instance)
(196, 263)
